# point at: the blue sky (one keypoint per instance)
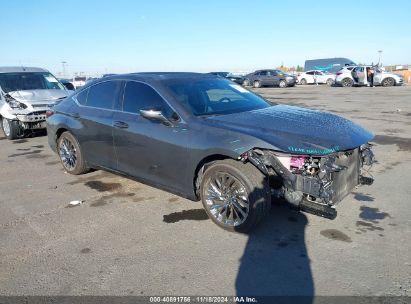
(193, 35)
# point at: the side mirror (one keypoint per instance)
(157, 115)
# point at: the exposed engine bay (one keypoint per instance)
(314, 183)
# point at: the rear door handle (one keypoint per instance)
(120, 124)
(74, 115)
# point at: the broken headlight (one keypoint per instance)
(14, 104)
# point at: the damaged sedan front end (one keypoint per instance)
(314, 183)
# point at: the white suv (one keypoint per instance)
(357, 75)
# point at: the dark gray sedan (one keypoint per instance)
(205, 137)
(265, 78)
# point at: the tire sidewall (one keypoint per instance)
(282, 84)
(345, 81)
(257, 84)
(253, 198)
(80, 166)
(384, 82)
(303, 81)
(13, 127)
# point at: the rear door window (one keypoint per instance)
(103, 95)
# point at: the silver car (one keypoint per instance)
(25, 96)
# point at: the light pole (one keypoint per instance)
(379, 57)
(63, 63)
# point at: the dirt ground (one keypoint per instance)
(131, 239)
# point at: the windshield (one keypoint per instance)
(211, 96)
(10, 82)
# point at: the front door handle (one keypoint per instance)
(120, 124)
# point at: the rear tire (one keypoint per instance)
(257, 84)
(70, 154)
(388, 82)
(330, 82)
(11, 128)
(303, 81)
(236, 196)
(347, 82)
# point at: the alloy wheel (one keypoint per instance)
(6, 126)
(68, 154)
(227, 199)
(388, 82)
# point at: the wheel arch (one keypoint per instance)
(60, 131)
(200, 168)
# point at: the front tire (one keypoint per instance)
(236, 196)
(11, 128)
(70, 154)
(388, 82)
(282, 84)
(303, 81)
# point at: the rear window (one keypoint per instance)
(82, 97)
(103, 95)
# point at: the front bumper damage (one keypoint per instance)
(320, 182)
(31, 120)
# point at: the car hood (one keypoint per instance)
(234, 76)
(38, 96)
(296, 130)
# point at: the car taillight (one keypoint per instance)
(49, 113)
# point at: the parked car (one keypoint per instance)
(25, 95)
(263, 78)
(79, 81)
(357, 76)
(317, 77)
(204, 137)
(68, 84)
(235, 78)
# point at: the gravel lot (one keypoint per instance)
(131, 239)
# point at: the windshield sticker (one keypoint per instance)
(239, 88)
(314, 151)
(51, 79)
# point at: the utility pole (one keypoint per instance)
(379, 57)
(63, 63)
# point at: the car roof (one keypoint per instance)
(162, 75)
(20, 69)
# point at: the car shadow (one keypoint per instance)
(275, 260)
